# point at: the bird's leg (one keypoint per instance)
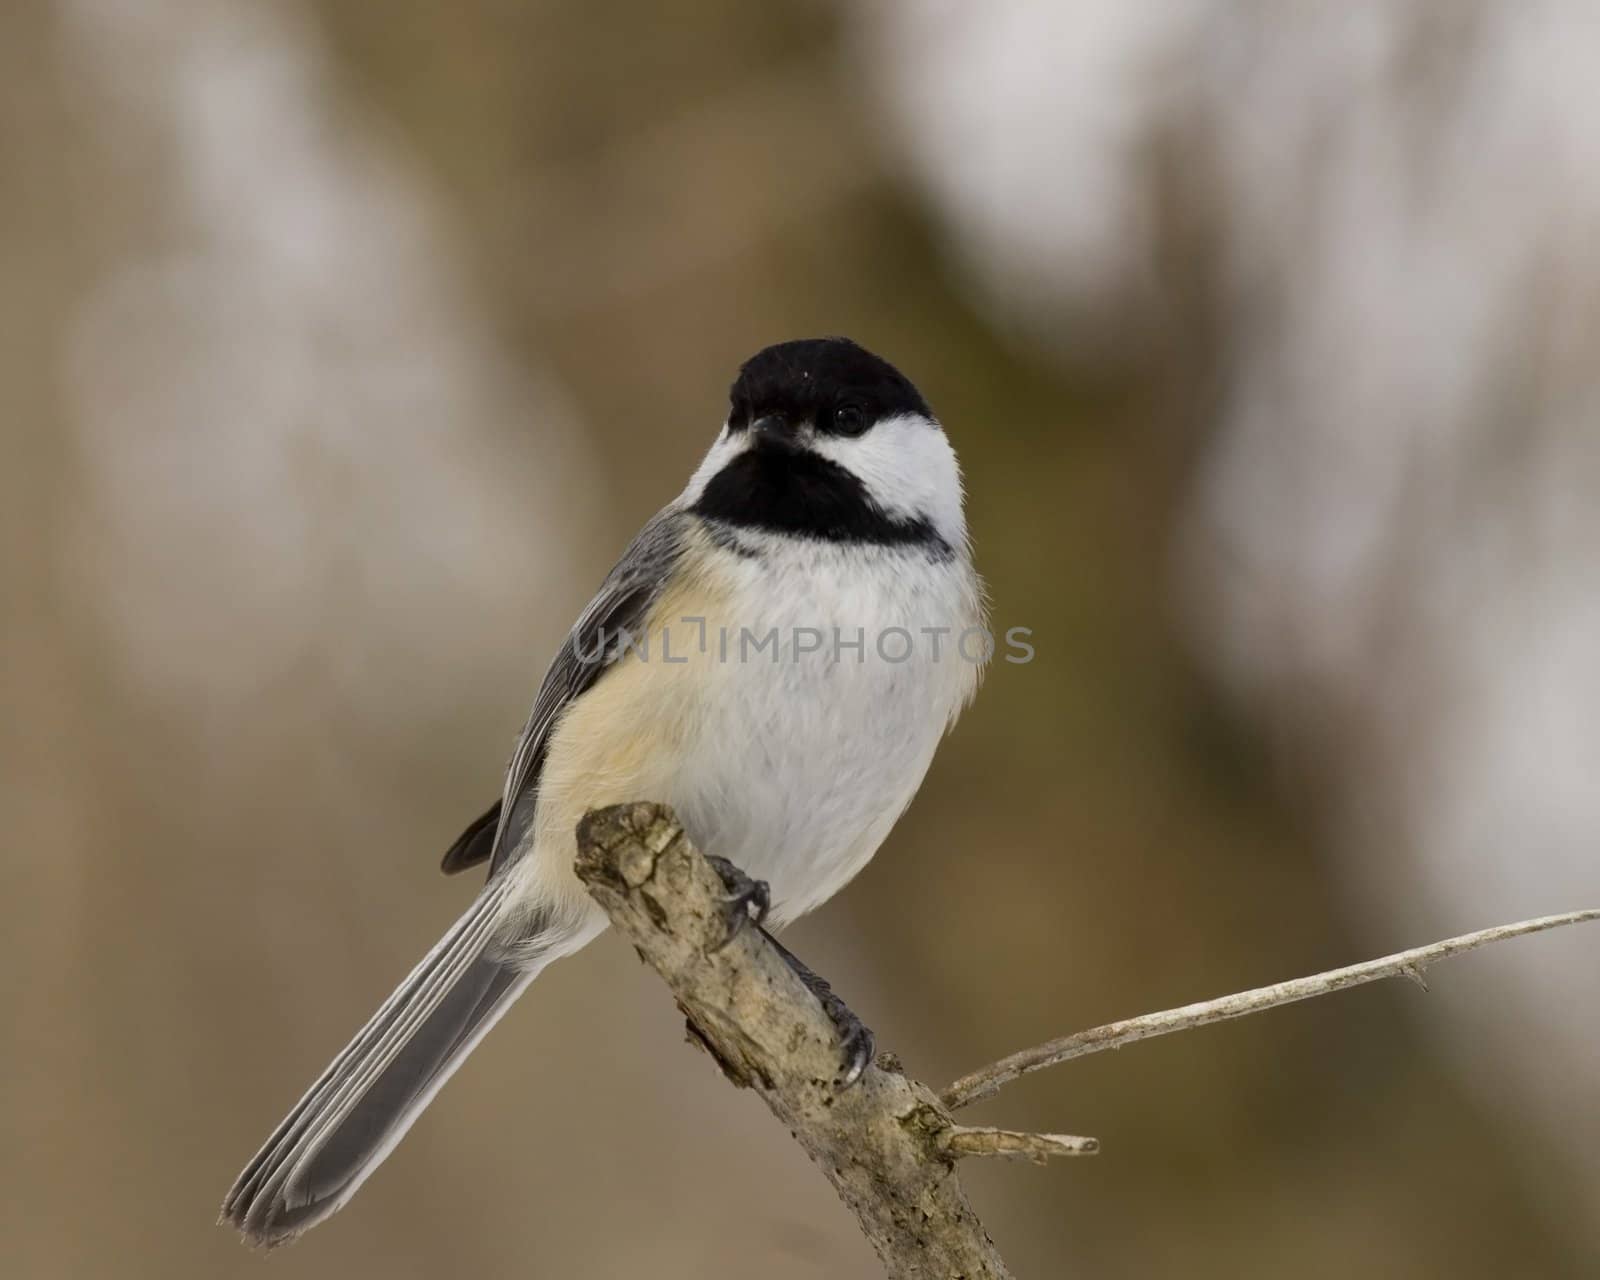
(747, 903)
(856, 1042)
(748, 899)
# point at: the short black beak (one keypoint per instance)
(771, 424)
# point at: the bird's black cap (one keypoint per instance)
(832, 383)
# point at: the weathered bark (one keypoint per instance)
(882, 1142)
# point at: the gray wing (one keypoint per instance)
(592, 647)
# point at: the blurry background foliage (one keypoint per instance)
(343, 345)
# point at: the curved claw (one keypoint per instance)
(744, 892)
(858, 1046)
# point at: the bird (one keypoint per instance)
(777, 656)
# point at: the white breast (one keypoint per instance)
(802, 761)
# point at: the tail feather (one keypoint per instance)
(291, 1133)
(362, 1105)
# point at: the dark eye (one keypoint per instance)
(849, 420)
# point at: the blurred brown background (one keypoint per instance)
(343, 345)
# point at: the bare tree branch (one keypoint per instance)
(887, 1144)
(986, 1081)
(880, 1142)
(961, 1140)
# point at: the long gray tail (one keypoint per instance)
(362, 1105)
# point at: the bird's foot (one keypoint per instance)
(748, 899)
(856, 1041)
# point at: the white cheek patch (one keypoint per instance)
(727, 447)
(908, 468)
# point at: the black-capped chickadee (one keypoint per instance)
(776, 656)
